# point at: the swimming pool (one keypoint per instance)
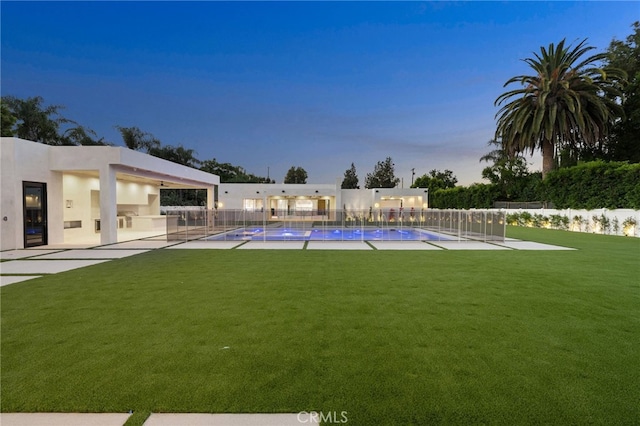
(336, 234)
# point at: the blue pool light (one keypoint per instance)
(327, 234)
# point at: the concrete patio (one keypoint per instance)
(26, 264)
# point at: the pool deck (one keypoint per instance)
(26, 264)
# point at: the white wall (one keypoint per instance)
(137, 194)
(23, 161)
(68, 173)
(589, 224)
(77, 190)
(231, 195)
(363, 199)
(10, 213)
(84, 193)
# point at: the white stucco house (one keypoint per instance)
(98, 194)
(282, 200)
(65, 195)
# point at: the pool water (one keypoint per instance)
(345, 234)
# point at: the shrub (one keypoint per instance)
(512, 218)
(594, 185)
(601, 224)
(476, 196)
(525, 219)
(605, 222)
(539, 221)
(629, 226)
(577, 223)
(558, 221)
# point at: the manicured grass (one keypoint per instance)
(424, 337)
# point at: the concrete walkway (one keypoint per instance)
(231, 419)
(23, 265)
(63, 419)
(164, 419)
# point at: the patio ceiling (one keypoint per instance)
(149, 178)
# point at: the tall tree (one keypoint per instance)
(226, 171)
(296, 175)
(80, 135)
(567, 101)
(36, 122)
(137, 140)
(8, 120)
(229, 173)
(382, 176)
(625, 142)
(177, 154)
(350, 180)
(507, 172)
(435, 180)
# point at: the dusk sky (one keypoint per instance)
(270, 85)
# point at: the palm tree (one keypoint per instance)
(137, 140)
(81, 135)
(568, 102)
(179, 154)
(35, 122)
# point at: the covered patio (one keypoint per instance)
(87, 195)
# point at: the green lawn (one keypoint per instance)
(420, 337)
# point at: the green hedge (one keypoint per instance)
(479, 196)
(594, 185)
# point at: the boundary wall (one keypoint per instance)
(624, 222)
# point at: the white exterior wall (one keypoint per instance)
(363, 199)
(20, 162)
(232, 195)
(587, 215)
(81, 201)
(85, 184)
(78, 193)
(10, 206)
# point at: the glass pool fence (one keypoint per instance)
(336, 225)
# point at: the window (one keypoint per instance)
(253, 204)
(304, 205)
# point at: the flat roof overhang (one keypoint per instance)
(129, 166)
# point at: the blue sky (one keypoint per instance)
(270, 85)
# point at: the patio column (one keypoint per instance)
(108, 205)
(210, 198)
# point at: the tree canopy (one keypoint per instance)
(350, 180)
(296, 175)
(137, 140)
(567, 102)
(34, 121)
(29, 119)
(8, 120)
(435, 180)
(624, 144)
(509, 174)
(382, 176)
(231, 174)
(177, 154)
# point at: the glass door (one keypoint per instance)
(35, 213)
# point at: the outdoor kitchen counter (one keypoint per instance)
(149, 223)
